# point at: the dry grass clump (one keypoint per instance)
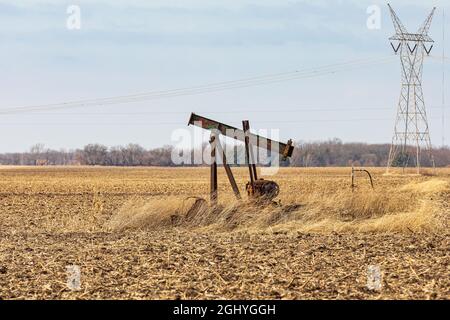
(164, 212)
(430, 186)
(416, 206)
(412, 207)
(142, 214)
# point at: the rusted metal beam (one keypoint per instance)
(247, 154)
(213, 188)
(250, 158)
(285, 149)
(228, 169)
(354, 177)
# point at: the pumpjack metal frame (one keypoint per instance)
(244, 135)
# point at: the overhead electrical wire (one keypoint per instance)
(241, 111)
(153, 123)
(440, 58)
(208, 88)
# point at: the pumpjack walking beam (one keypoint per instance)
(285, 149)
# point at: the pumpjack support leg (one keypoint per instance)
(228, 169)
(213, 187)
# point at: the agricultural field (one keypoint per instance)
(133, 235)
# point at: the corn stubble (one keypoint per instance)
(134, 234)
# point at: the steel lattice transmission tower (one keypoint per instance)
(411, 132)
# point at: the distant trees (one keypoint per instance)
(126, 156)
(336, 153)
(306, 154)
(40, 155)
(442, 157)
(95, 154)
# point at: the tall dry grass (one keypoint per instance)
(414, 206)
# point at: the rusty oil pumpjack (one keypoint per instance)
(258, 189)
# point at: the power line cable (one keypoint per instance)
(220, 86)
(154, 123)
(260, 111)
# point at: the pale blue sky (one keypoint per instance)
(127, 47)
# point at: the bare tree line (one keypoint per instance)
(307, 154)
(336, 153)
(91, 154)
